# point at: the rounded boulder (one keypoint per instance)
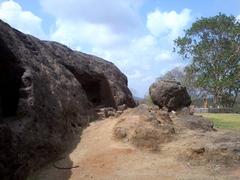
(169, 94)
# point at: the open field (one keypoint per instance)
(224, 120)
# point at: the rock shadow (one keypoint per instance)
(60, 168)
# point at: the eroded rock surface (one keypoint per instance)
(215, 148)
(144, 127)
(169, 94)
(48, 92)
(196, 122)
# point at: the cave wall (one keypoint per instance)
(10, 82)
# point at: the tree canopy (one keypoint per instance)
(213, 45)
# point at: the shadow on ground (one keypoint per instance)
(62, 166)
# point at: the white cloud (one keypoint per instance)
(143, 43)
(238, 17)
(84, 34)
(25, 21)
(164, 56)
(136, 75)
(167, 23)
(119, 16)
(94, 23)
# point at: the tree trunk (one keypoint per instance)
(216, 99)
(235, 97)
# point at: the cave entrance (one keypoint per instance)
(96, 87)
(97, 90)
(92, 90)
(10, 83)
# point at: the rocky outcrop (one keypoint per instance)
(196, 122)
(144, 127)
(48, 92)
(169, 94)
(218, 148)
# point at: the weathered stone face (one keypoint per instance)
(48, 92)
(169, 94)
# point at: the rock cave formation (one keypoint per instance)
(48, 94)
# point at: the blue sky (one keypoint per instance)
(136, 35)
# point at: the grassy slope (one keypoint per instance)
(224, 121)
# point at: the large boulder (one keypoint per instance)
(169, 94)
(48, 93)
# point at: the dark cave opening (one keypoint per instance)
(98, 91)
(92, 90)
(10, 83)
(96, 87)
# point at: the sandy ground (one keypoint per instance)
(99, 156)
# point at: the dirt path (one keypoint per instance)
(99, 156)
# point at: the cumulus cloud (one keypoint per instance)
(167, 23)
(84, 34)
(25, 21)
(120, 16)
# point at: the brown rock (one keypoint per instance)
(144, 128)
(48, 92)
(122, 107)
(169, 94)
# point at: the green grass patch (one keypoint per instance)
(224, 120)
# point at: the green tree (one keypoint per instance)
(213, 45)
